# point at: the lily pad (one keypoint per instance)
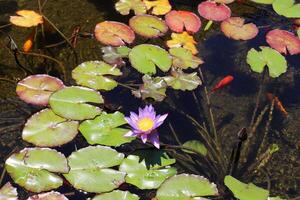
(105, 130)
(148, 170)
(114, 33)
(74, 103)
(46, 129)
(34, 168)
(183, 40)
(196, 146)
(271, 58)
(184, 59)
(244, 191)
(48, 196)
(90, 169)
(114, 55)
(8, 192)
(148, 26)
(116, 195)
(26, 18)
(96, 75)
(179, 21)
(224, 1)
(287, 8)
(186, 187)
(210, 10)
(158, 7)
(124, 7)
(263, 1)
(145, 57)
(36, 89)
(183, 81)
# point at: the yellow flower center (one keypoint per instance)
(145, 124)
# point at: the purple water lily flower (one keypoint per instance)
(144, 125)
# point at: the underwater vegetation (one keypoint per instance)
(118, 154)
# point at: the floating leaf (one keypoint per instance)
(148, 26)
(263, 1)
(298, 32)
(183, 58)
(186, 187)
(244, 191)
(90, 169)
(283, 41)
(183, 40)
(112, 57)
(224, 1)
(212, 11)
(36, 89)
(158, 7)
(147, 170)
(8, 192)
(196, 146)
(145, 57)
(46, 129)
(178, 21)
(116, 195)
(182, 81)
(48, 196)
(32, 168)
(26, 18)
(124, 7)
(105, 130)
(96, 75)
(235, 28)
(274, 198)
(287, 8)
(74, 103)
(114, 33)
(276, 63)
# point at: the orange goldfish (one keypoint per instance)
(278, 105)
(28, 44)
(222, 83)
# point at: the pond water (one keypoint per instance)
(232, 106)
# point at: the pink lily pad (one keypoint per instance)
(235, 28)
(48, 196)
(212, 11)
(114, 33)
(178, 21)
(36, 89)
(283, 41)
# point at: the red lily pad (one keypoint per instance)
(283, 41)
(178, 21)
(235, 28)
(36, 89)
(48, 196)
(114, 33)
(212, 11)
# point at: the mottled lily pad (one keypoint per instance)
(114, 33)
(287, 8)
(74, 103)
(90, 169)
(186, 187)
(148, 26)
(124, 7)
(114, 55)
(96, 75)
(8, 192)
(197, 146)
(158, 7)
(210, 10)
(183, 40)
(48, 196)
(36, 89)
(46, 129)
(116, 195)
(184, 59)
(34, 168)
(183, 81)
(145, 58)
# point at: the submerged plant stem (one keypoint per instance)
(8, 80)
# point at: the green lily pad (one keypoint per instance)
(105, 130)
(124, 7)
(48, 196)
(244, 191)
(186, 187)
(114, 55)
(183, 58)
(34, 168)
(287, 8)
(275, 62)
(46, 129)
(148, 169)
(182, 81)
(152, 88)
(145, 57)
(116, 195)
(8, 192)
(74, 103)
(94, 74)
(274, 198)
(263, 1)
(90, 169)
(196, 146)
(298, 32)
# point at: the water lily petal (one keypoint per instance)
(160, 119)
(130, 134)
(154, 139)
(144, 138)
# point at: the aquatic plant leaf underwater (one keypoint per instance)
(210, 10)
(197, 146)
(158, 7)
(287, 8)
(179, 21)
(244, 191)
(223, 82)
(269, 57)
(183, 40)
(224, 1)
(183, 81)
(114, 33)
(283, 41)
(144, 125)
(8, 192)
(148, 26)
(26, 18)
(263, 1)
(36, 89)
(184, 59)
(116, 195)
(186, 187)
(124, 7)
(48, 196)
(298, 32)
(278, 104)
(235, 28)
(114, 55)
(29, 41)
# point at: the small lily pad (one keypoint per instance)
(36, 89)
(224, 1)
(184, 59)
(114, 55)
(196, 146)
(74, 103)
(116, 195)
(48, 196)
(263, 1)
(183, 40)
(158, 7)
(287, 8)
(46, 129)
(8, 192)
(183, 81)
(210, 10)
(124, 7)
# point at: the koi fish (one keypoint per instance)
(28, 44)
(222, 83)
(278, 105)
